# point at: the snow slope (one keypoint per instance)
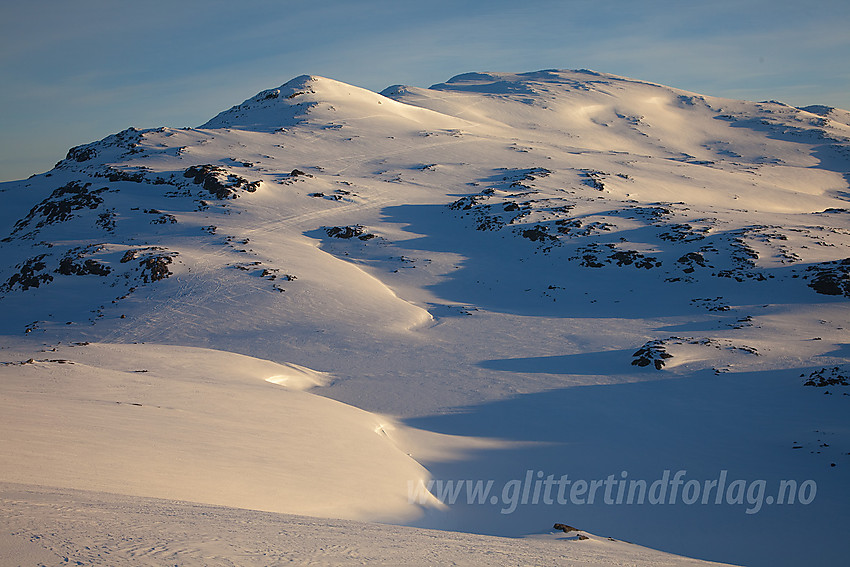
(561, 272)
(199, 425)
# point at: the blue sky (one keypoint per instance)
(74, 72)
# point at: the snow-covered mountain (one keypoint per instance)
(554, 273)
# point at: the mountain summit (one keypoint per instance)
(631, 277)
(318, 100)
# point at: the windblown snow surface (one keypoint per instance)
(467, 313)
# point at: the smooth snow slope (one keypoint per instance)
(599, 275)
(199, 425)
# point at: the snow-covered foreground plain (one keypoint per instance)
(43, 526)
(581, 298)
